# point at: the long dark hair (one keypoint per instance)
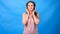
(35, 13)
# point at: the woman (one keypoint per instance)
(30, 19)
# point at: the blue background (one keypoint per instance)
(11, 16)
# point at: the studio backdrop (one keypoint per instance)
(11, 16)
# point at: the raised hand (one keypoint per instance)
(33, 12)
(27, 11)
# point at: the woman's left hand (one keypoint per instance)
(33, 12)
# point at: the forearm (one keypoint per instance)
(36, 20)
(25, 19)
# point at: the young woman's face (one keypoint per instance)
(30, 6)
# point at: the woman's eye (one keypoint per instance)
(31, 5)
(28, 5)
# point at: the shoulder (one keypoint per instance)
(24, 14)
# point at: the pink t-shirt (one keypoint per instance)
(30, 27)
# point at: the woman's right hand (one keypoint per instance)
(27, 11)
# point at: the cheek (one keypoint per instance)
(31, 7)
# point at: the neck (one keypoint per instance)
(30, 12)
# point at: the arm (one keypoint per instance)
(36, 19)
(24, 18)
